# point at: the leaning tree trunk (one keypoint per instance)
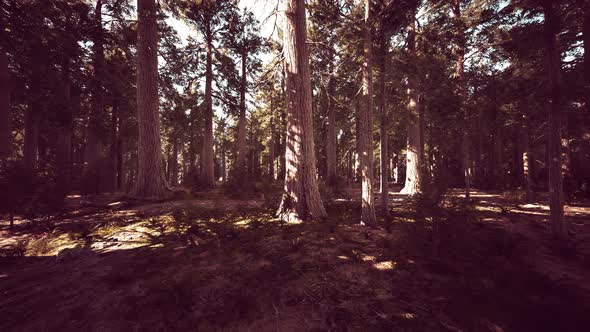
(240, 173)
(366, 127)
(555, 117)
(5, 123)
(301, 198)
(93, 154)
(207, 156)
(413, 157)
(150, 182)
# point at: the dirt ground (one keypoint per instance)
(212, 262)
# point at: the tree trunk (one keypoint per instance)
(34, 113)
(271, 141)
(301, 198)
(120, 153)
(331, 139)
(93, 154)
(366, 126)
(555, 117)
(283, 164)
(241, 160)
(384, 153)
(413, 158)
(5, 114)
(150, 182)
(66, 122)
(461, 94)
(586, 38)
(207, 164)
(527, 161)
(114, 167)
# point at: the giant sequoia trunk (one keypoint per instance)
(301, 198)
(5, 123)
(461, 94)
(240, 173)
(93, 155)
(384, 156)
(556, 198)
(413, 157)
(366, 126)
(207, 164)
(150, 182)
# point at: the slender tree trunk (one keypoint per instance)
(34, 113)
(66, 122)
(93, 154)
(151, 182)
(461, 94)
(413, 159)
(384, 157)
(120, 153)
(241, 161)
(366, 126)
(586, 38)
(5, 114)
(527, 161)
(331, 139)
(301, 198)
(207, 156)
(555, 117)
(114, 153)
(174, 173)
(271, 141)
(283, 131)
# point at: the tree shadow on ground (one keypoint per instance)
(239, 269)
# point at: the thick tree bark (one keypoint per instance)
(93, 155)
(151, 182)
(366, 126)
(384, 157)
(241, 160)
(207, 156)
(301, 198)
(413, 158)
(5, 114)
(461, 94)
(555, 117)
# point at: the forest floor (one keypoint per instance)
(213, 262)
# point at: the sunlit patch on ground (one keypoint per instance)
(200, 264)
